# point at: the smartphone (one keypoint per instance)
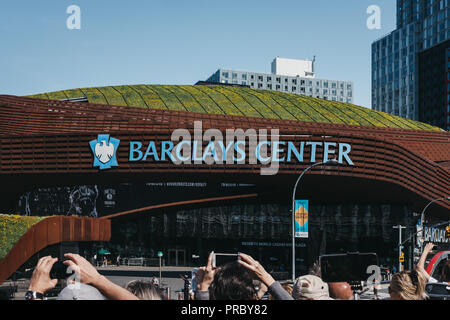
(59, 271)
(350, 267)
(220, 259)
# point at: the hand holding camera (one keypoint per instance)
(41, 281)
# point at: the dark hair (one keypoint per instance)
(445, 274)
(233, 282)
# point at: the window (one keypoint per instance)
(225, 74)
(278, 80)
(294, 89)
(269, 78)
(234, 75)
(244, 76)
(260, 78)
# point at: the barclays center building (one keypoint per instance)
(190, 169)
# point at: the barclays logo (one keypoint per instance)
(104, 150)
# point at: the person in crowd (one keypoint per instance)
(118, 261)
(340, 291)
(187, 287)
(445, 272)
(155, 281)
(310, 287)
(235, 281)
(86, 273)
(286, 287)
(408, 285)
(143, 290)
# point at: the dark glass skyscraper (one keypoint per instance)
(398, 63)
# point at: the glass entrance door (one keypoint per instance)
(177, 257)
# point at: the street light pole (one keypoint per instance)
(399, 227)
(333, 161)
(422, 216)
(160, 255)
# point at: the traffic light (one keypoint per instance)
(447, 232)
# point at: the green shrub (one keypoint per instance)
(12, 228)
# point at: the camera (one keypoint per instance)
(220, 259)
(60, 271)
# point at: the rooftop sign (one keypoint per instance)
(211, 148)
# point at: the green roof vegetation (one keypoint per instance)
(12, 228)
(239, 101)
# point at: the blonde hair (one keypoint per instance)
(410, 285)
(143, 290)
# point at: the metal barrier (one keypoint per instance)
(136, 261)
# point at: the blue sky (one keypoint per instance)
(181, 42)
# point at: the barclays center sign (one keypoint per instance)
(212, 147)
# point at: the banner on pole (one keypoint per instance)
(301, 218)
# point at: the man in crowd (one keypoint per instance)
(84, 271)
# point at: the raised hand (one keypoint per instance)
(40, 280)
(206, 274)
(253, 265)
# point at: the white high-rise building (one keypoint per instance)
(288, 75)
(293, 67)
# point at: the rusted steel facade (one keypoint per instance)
(50, 231)
(49, 140)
